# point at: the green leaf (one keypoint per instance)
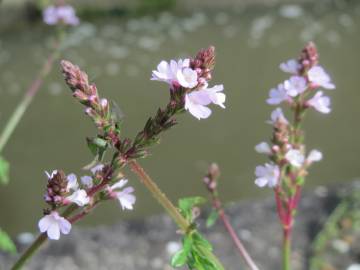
(4, 171)
(179, 259)
(187, 204)
(212, 218)
(97, 147)
(200, 241)
(6, 244)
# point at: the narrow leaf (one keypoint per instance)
(6, 244)
(4, 171)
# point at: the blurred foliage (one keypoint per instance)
(6, 244)
(4, 171)
(338, 240)
(151, 6)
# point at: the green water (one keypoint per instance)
(119, 56)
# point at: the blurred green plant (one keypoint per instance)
(6, 244)
(151, 6)
(343, 224)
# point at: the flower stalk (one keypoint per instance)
(211, 183)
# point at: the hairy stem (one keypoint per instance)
(159, 195)
(169, 207)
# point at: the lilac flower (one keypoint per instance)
(318, 76)
(97, 168)
(175, 73)
(263, 148)
(187, 77)
(267, 175)
(87, 181)
(277, 95)
(295, 85)
(320, 103)
(291, 66)
(277, 115)
(79, 197)
(196, 101)
(295, 157)
(314, 156)
(60, 14)
(72, 182)
(124, 196)
(53, 224)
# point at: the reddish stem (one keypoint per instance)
(239, 245)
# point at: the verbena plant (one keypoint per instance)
(71, 199)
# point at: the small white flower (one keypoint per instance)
(72, 182)
(320, 103)
(79, 197)
(277, 95)
(87, 181)
(53, 224)
(320, 78)
(196, 101)
(267, 175)
(291, 66)
(263, 148)
(187, 77)
(277, 115)
(295, 157)
(97, 168)
(314, 156)
(168, 72)
(124, 196)
(295, 85)
(50, 175)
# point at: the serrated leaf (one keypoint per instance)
(97, 147)
(4, 171)
(6, 244)
(179, 259)
(212, 218)
(200, 241)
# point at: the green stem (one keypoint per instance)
(159, 195)
(169, 207)
(41, 239)
(287, 249)
(29, 95)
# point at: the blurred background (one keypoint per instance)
(119, 42)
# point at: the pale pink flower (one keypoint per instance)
(263, 148)
(295, 157)
(277, 115)
(277, 95)
(291, 66)
(60, 14)
(318, 76)
(171, 72)
(267, 175)
(295, 85)
(79, 197)
(314, 156)
(72, 182)
(53, 224)
(320, 103)
(87, 181)
(187, 77)
(196, 101)
(125, 196)
(97, 168)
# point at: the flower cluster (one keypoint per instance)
(299, 92)
(192, 76)
(288, 165)
(64, 190)
(62, 14)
